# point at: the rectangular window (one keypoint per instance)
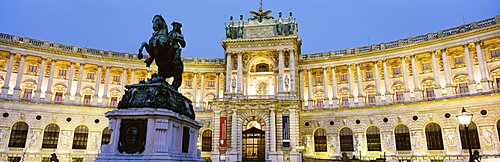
(396, 71)
(90, 75)
(345, 101)
(463, 88)
(116, 78)
(459, 60)
(371, 99)
(13, 159)
(77, 160)
(87, 99)
(429, 93)
(185, 139)
(426, 66)
(32, 68)
(319, 103)
(27, 94)
(343, 77)
(46, 159)
(495, 53)
(114, 101)
(62, 72)
(369, 74)
(399, 96)
(211, 83)
(319, 79)
(498, 83)
(58, 97)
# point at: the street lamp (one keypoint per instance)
(465, 118)
(300, 148)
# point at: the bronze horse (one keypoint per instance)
(165, 49)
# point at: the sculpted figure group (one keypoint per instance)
(164, 48)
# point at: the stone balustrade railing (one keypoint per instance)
(407, 41)
(91, 51)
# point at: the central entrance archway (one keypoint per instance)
(254, 141)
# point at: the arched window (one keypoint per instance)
(434, 137)
(320, 140)
(498, 128)
(373, 139)
(474, 137)
(206, 140)
(402, 135)
(346, 140)
(18, 135)
(106, 136)
(50, 136)
(80, 137)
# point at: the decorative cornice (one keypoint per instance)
(402, 48)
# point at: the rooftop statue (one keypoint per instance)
(165, 49)
(260, 15)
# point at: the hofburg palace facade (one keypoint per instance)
(265, 100)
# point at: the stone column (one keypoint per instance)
(325, 87)
(67, 96)
(388, 94)
(281, 70)
(292, 70)
(132, 73)
(435, 70)
(216, 133)
(406, 93)
(302, 93)
(416, 82)
(351, 87)
(195, 87)
(95, 98)
(78, 95)
(309, 89)
(6, 86)
(202, 90)
(335, 99)
(378, 96)
(228, 72)
(217, 91)
(447, 75)
(239, 84)
(38, 91)
(294, 129)
(124, 79)
(234, 137)
(106, 87)
(48, 92)
(17, 88)
(485, 83)
(272, 127)
(361, 97)
(470, 70)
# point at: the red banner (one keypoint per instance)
(223, 131)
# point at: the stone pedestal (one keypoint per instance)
(153, 122)
(151, 134)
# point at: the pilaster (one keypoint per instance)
(17, 88)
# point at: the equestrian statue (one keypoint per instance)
(164, 48)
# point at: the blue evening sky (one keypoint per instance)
(324, 25)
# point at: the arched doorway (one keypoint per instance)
(254, 141)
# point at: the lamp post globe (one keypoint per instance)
(465, 118)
